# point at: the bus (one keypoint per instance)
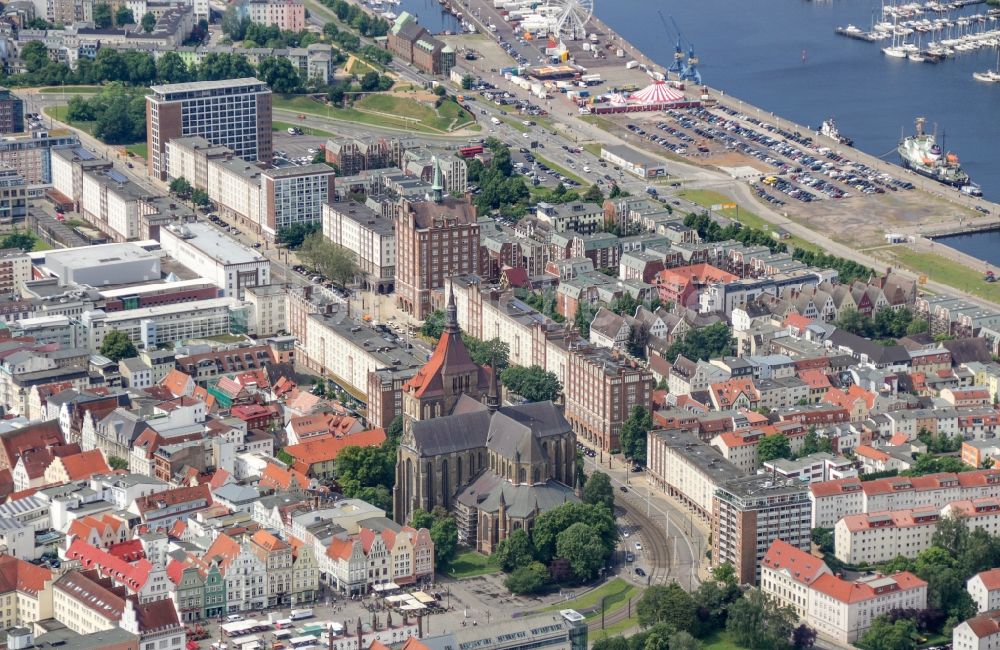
(470, 151)
(242, 628)
(281, 635)
(301, 642)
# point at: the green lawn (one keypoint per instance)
(708, 198)
(618, 628)
(601, 122)
(471, 563)
(385, 111)
(594, 148)
(59, 113)
(946, 271)
(720, 640)
(41, 245)
(139, 149)
(562, 171)
(307, 130)
(71, 90)
(617, 591)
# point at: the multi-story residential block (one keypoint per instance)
(835, 499)
(294, 195)
(286, 15)
(984, 587)
(349, 351)
(11, 112)
(369, 235)
(980, 632)
(269, 304)
(201, 248)
(13, 197)
(235, 113)
(26, 591)
(687, 469)
(435, 240)
(600, 392)
(881, 536)
(29, 154)
(748, 514)
(814, 468)
(357, 154)
(162, 509)
(15, 270)
(787, 574)
(577, 216)
(244, 573)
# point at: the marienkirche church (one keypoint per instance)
(496, 467)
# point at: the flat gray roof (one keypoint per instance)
(217, 246)
(87, 256)
(165, 89)
(300, 170)
(632, 155)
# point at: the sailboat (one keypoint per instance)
(990, 76)
(895, 50)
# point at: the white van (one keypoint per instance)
(495, 120)
(234, 618)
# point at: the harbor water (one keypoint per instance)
(982, 245)
(430, 13)
(783, 56)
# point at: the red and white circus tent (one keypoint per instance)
(658, 92)
(657, 96)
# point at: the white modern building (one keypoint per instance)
(294, 195)
(204, 250)
(103, 265)
(154, 326)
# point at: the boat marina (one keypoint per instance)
(917, 34)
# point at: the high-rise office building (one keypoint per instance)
(235, 113)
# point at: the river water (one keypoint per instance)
(783, 56)
(430, 15)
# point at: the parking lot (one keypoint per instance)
(295, 149)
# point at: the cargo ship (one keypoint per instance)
(922, 154)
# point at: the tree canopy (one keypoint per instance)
(598, 490)
(703, 343)
(757, 622)
(633, 433)
(335, 262)
(534, 383)
(773, 446)
(117, 346)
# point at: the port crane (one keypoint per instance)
(678, 65)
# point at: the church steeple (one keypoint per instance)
(451, 320)
(437, 187)
(493, 396)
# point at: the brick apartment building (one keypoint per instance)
(435, 240)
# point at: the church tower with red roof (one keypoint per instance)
(449, 374)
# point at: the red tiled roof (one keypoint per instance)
(836, 486)
(85, 464)
(275, 476)
(178, 383)
(802, 567)
(324, 448)
(990, 579)
(173, 497)
(868, 451)
(984, 625)
(449, 356)
(852, 592)
(22, 576)
(130, 575)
